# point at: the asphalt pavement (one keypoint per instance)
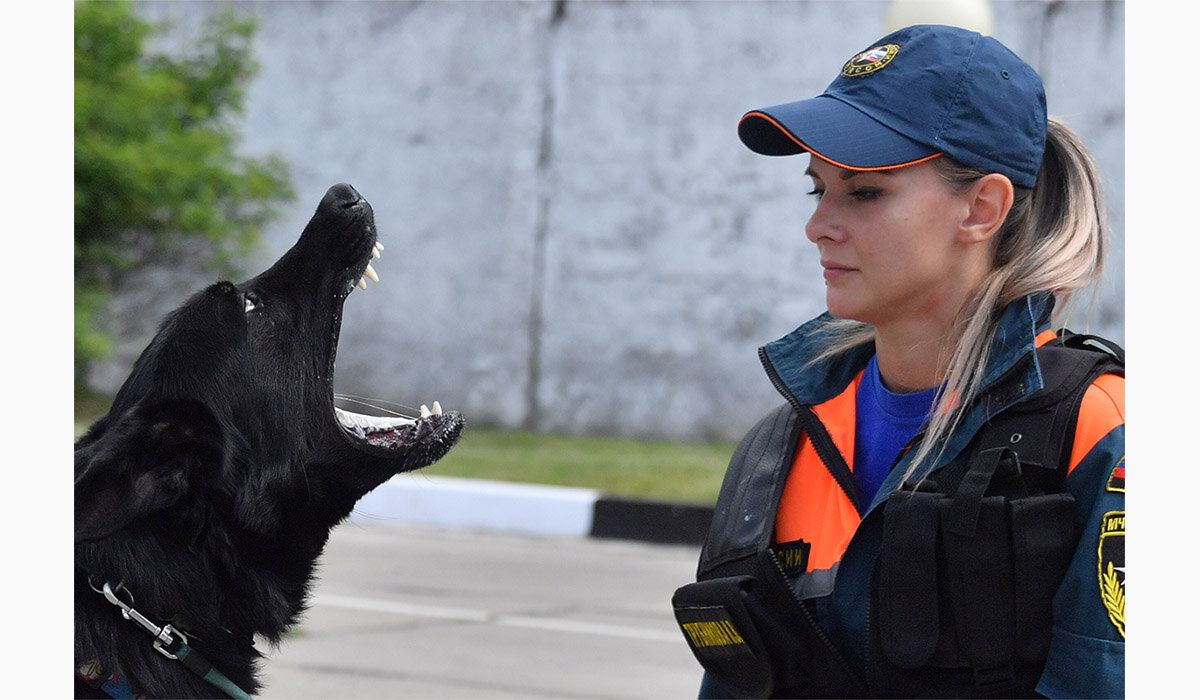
(402, 611)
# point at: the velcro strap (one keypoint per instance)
(981, 585)
(1044, 537)
(908, 612)
(963, 515)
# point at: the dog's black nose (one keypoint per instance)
(341, 196)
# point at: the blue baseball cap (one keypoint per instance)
(915, 94)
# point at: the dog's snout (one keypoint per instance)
(342, 196)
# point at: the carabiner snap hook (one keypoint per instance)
(163, 636)
(112, 597)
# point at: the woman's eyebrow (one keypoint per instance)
(847, 174)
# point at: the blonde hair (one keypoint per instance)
(1053, 240)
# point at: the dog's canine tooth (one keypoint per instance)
(375, 252)
(379, 246)
(425, 412)
(362, 283)
(370, 273)
(437, 408)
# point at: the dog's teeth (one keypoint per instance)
(379, 246)
(362, 283)
(375, 252)
(370, 272)
(437, 408)
(425, 413)
(364, 423)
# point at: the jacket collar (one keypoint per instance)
(801, 378)
(792, 364)
(1012, 372)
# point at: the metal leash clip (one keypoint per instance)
(163, 636)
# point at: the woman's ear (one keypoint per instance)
(989, 201)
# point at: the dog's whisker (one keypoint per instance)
(375, 403)
(397, 409)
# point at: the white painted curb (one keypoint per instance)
(475, 504)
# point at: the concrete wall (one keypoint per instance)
(576, 239)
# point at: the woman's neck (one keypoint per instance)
(913, 357)
(914, 351)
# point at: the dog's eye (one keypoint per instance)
(251, 302)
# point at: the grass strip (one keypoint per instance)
(684, 472)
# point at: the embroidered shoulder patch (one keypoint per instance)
(1112, 567)
(870, 60)
(1116, 480)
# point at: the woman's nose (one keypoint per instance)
(821, 225)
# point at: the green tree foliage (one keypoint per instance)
(155, 160)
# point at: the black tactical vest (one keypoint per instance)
(971, 557)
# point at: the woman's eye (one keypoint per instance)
(866, 193)
(862, 194)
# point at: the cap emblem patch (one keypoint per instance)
(870, 60)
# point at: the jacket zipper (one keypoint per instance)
(837, 467)
(776, 380)
(829, 455)
(811, 621)
(827, 452)
(867, 625)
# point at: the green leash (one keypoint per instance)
(201, 667)
(172, 643)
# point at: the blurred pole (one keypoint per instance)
(968, 14)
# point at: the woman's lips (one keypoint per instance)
(834, 271)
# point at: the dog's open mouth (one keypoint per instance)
(398, 432)
(431, 433)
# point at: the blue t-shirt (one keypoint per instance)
(886, 422)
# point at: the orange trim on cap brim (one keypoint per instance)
(827, 159)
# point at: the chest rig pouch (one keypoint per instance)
(965, 580)
(972, 556)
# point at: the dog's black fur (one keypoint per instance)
(210, 488)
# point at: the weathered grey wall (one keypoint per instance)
(576, 239)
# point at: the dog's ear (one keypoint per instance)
(145, 461)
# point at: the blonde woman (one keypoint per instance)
(938, 508)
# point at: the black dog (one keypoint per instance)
(205, 496)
